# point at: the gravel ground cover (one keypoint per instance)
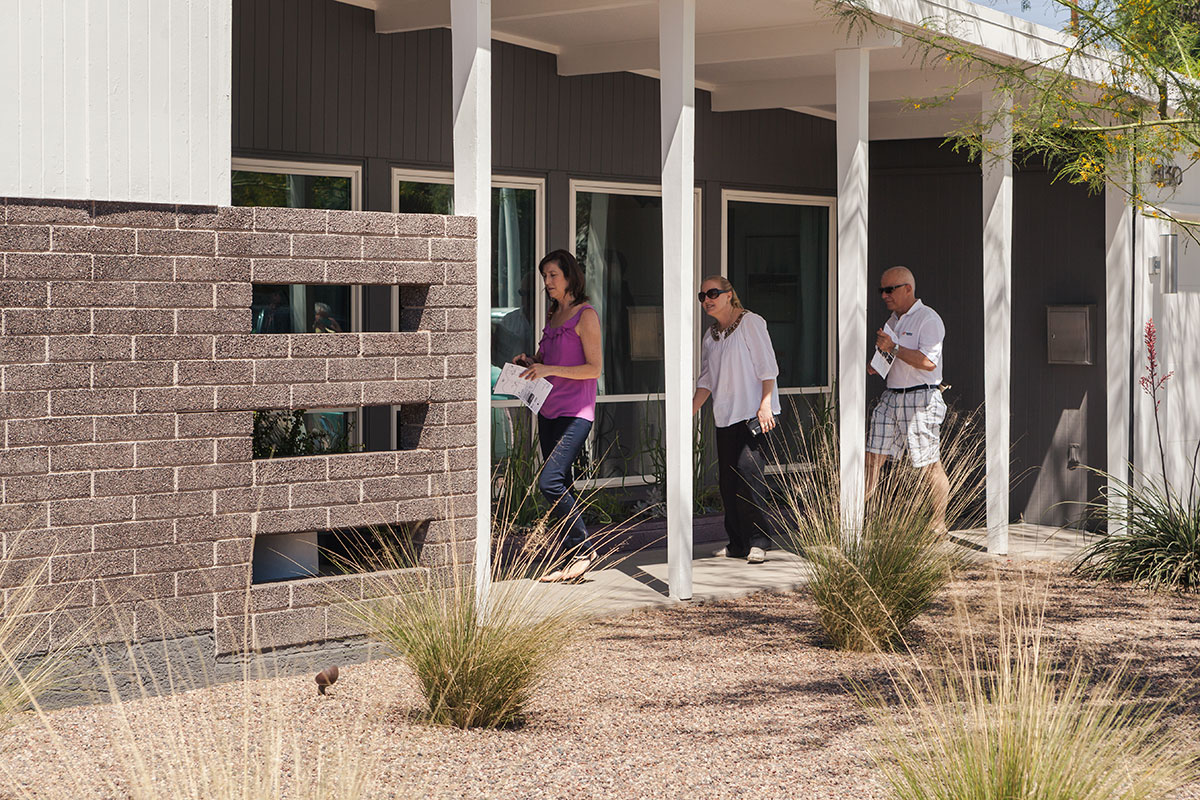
(735, 699)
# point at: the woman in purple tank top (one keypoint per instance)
(570, 358)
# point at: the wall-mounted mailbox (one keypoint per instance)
(1069, 334)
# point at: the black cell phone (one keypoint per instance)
(754, 425)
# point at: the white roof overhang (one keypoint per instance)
(759, 54)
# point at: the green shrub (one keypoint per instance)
(1004, 719)
(1153, 537)
(1153, 532)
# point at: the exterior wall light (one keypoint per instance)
(1170, 263)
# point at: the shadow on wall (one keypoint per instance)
(1181, 423)
(1059, 491)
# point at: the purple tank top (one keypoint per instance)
(562, 347)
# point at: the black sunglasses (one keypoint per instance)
(712, 294)
(890, 289)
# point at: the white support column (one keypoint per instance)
(471, 44)
(997, 316)
(677, 68)
(1147, 302)
(852, 69)
(1118, 263)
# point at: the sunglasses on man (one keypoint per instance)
(712, 294)
(890, 289)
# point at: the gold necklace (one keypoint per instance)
(717, 333)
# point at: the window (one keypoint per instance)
(776, 252)
(518, 243)
(304, 308)
(518, 234)
(618, 238)
(289, 184)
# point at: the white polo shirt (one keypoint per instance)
(919, 329)
(734, 369)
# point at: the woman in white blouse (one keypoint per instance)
(738, 370)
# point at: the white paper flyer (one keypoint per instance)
(881, 362)
(531, 393)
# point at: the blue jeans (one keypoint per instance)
(562, 438)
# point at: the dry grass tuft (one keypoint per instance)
(479, 663)
(1005, 719)
(870, 585)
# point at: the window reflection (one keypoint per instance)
(281, 190)
(301, 308)
(514, 258)
(618, 239)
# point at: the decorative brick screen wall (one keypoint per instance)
(130, 378)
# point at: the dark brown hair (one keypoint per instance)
(571, 270)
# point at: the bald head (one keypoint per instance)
(897, 275)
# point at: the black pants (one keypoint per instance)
(741, 461)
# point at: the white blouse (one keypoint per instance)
(734, 368)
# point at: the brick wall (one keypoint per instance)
(129, 381)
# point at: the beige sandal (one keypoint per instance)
(577, 569)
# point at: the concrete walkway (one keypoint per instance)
(640, 579)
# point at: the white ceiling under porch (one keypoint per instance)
(756, 54)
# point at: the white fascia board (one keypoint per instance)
(820, 90)
(399, 16)
(907, 123)
(718, 48)
(813, 111)
(402, 16)
(997, 33)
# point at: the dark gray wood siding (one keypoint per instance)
(311, 78)
(313, 81)
(926, 213)
(1058, 258)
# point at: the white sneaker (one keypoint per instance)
(757, 555)
(722, 553)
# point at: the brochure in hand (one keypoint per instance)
(881, 362)
(531, 393)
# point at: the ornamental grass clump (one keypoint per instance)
(1007, 718)
(1153, 527)
(478, 662)
(870, 584)
(1153, 537)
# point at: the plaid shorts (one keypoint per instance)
(908, 421)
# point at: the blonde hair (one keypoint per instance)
(723, 282)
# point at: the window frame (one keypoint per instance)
(315, 168)
(446, 178)
(785, 198)
(788, 199)
(324, 169)
(574, 186)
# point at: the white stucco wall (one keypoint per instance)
(1177, 318)
(116, 99)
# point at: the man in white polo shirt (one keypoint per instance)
(909, 415)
